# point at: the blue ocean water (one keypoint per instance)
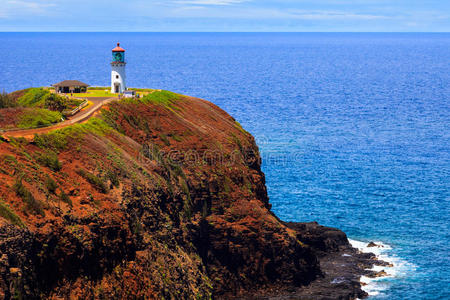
(353, 128)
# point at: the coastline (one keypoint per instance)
(396, 267)
(345, 268)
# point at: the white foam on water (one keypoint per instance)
(400, 268)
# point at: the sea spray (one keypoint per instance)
(397, 267)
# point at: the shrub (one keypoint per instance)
(6, 101)
(72, 103)
(9, 215)
(65, 198)
(32, 204)
(55, 102)
(50, 184)
(97, 182)
(164, 139)
(177, 137)
(112, 176)
(50, 159)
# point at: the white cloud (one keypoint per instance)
(34, 7)
(193, 8)
(3, 13)
(333, 15)
(209, 2)
(248, 14)
(254, 13)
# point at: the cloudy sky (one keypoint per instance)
(225, 15)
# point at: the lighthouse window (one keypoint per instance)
(117, 76)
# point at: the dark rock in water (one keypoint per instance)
(381, 273)
(372, 244)
(340, 263)
(383, 263)
(322, 239)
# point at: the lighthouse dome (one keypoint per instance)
(118, 48)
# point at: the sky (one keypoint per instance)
(226, 15)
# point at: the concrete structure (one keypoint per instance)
(70, 86)
(118, 75)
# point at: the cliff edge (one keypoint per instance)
(161, 197)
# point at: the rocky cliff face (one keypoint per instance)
(156, 198)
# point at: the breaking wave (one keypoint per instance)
(398, 267)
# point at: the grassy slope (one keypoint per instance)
(38, 117)
(34, 97)
(58, 139)
(31, 111)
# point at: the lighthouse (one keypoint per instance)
(118, 75)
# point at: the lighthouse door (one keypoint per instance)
(117, 88)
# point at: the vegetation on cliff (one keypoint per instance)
(6, 101)
(160, 197)
(38, 117)
(33, 97)
(32, 108)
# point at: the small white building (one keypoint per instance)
(129, 94)
(118, 75)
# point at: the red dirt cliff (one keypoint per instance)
(161, 197)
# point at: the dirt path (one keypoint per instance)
(80, 117)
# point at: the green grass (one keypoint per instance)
(142, 90)
(44, 98)
(34, 97)
(59, 139)
(158, 97)
(164, 98)
(239, 126)
(38, 117)
(96, 93)
(9, 215)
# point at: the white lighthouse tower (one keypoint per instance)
(118, 75)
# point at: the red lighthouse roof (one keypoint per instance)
(118, 48)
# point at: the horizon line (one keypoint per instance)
(75, 31)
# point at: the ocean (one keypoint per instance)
(353, 128)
